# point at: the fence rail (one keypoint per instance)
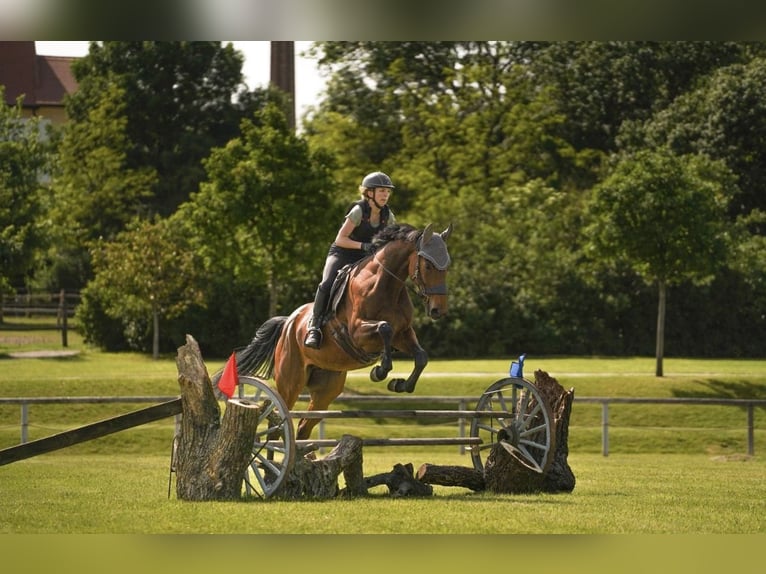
(462, 403)
(61, 305)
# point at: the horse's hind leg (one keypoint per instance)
(324, 387)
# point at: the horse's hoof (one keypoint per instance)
(396, 385)
(378, 374)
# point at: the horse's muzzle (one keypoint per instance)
(436, 309)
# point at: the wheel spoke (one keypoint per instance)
(527, 456)
(533, 430)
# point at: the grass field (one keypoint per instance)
(671, 469)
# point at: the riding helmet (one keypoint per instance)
(377, 179)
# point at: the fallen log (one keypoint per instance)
(401, 482)
(452, 476)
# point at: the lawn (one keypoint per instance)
(671, 470)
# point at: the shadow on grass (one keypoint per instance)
(718, 389)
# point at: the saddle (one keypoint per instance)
(339, 330)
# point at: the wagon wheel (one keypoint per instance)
(523, 425)
(274, 446)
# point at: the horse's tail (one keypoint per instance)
(257, 358)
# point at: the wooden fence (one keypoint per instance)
(462, 403)
(59, 307)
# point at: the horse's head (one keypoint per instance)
(428, 270)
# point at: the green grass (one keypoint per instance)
(671, 469)
(618, 494)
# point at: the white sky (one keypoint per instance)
(308, 82)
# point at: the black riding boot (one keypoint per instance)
(314, 335)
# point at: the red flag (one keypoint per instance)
(228, 381)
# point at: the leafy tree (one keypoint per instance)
(724, 117)
(601, 85)
(180, 101)
(665, 217)
(95, 191)
(260, 218)
(23, 164)
(146, 272)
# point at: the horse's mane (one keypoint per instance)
(395, 232)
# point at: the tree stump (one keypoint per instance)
(211, 454)
(505, 472)
(318, 479)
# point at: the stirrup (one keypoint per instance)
(313, 338)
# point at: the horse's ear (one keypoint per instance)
(427, 234)
(446, 233)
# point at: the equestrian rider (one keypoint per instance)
(353, 242)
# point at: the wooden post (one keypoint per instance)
(63, 311)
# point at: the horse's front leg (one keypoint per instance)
(380, 372)
(407, 341)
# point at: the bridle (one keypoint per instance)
(424, 290)
(421, 289)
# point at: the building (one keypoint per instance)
(44, 81)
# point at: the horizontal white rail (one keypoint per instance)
(461, 413)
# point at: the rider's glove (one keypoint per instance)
(367, 247)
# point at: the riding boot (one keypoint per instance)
(314, 335)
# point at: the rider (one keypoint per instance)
(353, 242)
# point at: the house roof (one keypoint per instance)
(43, 80)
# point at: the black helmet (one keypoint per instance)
(377, 179)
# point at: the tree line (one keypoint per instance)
(606, 196)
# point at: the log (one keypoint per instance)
(401, 482)
(211, 454)
(318, 479)
(452, 476)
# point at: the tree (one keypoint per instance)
(723, 117)
(180, 100)
(147, 271)
(23, 164)
(600, 85)
(95, 191)
(261, 216)
(665, 217)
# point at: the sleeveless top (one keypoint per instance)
(364, 231)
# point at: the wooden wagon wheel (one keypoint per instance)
(523, 425)
(274, 446)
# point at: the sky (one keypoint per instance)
(308, 81)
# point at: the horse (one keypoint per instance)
(370, 316)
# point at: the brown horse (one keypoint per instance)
(372, 316)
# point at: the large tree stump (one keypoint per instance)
(505, 472)
(318, 479)
(211, 454)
